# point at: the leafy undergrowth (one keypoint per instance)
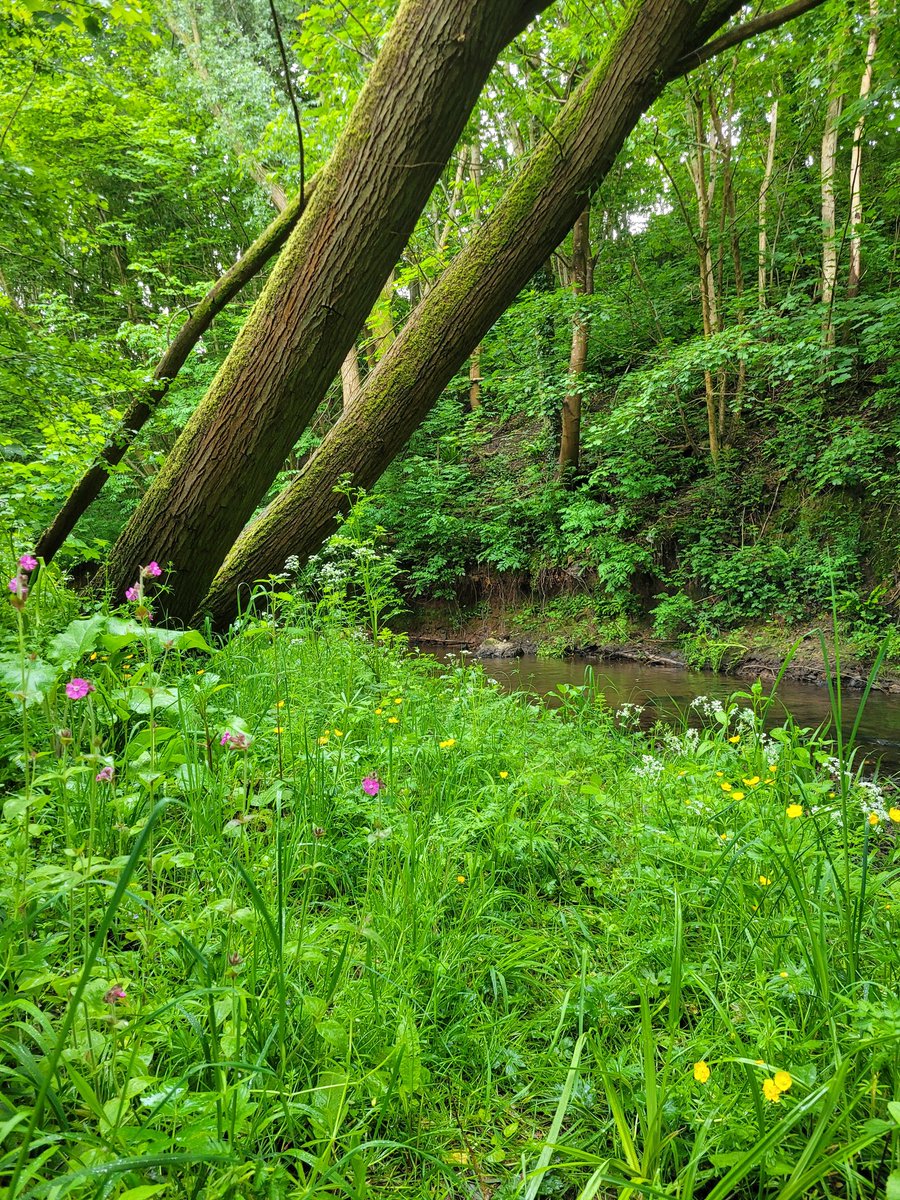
(302, 916)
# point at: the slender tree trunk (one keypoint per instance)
(89, 486)
(350, 381)
(856, 209)
(704, 188)
(397, 139)
(570, 434)
(475, 379)
(762, 255)
(533, 217)
(829, 223)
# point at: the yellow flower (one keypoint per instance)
(460, 879)
(279, 729)
(894, 814)
(752, 781)
(737, 795)
(726, 787)
(772, 768)
(393, 720)
(378, 712)
(701, 1071)
(735, 739)
(680, 773)
(323, 741)
(280, 704)
(719, 774)
(794, 810)
(783, 974)
(760, 1062)
(338, 733)
(399, 700)
(772, 1091)
(765, 880)
(782, 1081)
(873, 818)
(724, 837)
(447, 743)
(94, 656)
(505, 775)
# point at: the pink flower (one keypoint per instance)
(134, 592)
(28, 562)
(225, 738)
(372, 785)
(114, 995)
(14, 584)
(105, 774)
(77, 689)
(153, 570)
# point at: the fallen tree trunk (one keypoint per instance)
(397, 141)
(89, 486)
(657, 40)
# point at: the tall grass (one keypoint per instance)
(549, 955)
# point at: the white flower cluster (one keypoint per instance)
(708, 706)
(651, 768)
(629, 715)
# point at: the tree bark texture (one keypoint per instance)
(530, 221)
(570, 433)
(89, 486)
(762, 254)
(398, 138)
(829, 222)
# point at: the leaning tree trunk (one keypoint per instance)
(530, 221)
(138, 413)
(397, 140)
(582, 279)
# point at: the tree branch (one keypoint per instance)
(741, 33)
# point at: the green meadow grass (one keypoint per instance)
(554, 955)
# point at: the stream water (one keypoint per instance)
(665, 692)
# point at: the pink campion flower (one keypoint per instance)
(105, 774)
(28, 562)
(152, 569)
(225, 738)
(14, 584)
(133, 593)
(372, 785)
(114, 995)
(77, 689)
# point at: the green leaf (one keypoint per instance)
(76, 640)
(892, 1191)
(30, 685)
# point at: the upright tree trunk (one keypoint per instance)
(856, 209)
(829, 223)
(398, 138)
(350, 381)
(582, 281)
(475, 378)
(704, 187)
(89, 486)
(762, 256)
(530, 221)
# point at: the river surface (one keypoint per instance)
(665, 692)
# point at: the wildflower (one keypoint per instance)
(752, 781)
(77, 689)
(737, 795)
(701, 1071)
(279, 729)
(114, 995)
(393, 721)
(133, 593)
(460, 879)
(873, 818)
(93, 657)
(505, 775)
(399, 700)
(371, 785)
(726, 787)
(735, 739)
(338, 733)
(105, 774)
(719, 774)
(764, 880)
(783, 974)
(14, 583)
(378, 712)
(152, 570)
(723, 837)
(279, 704)
(894, 814)
(794, 810)
(772, 1091)
(235, 741)
(323, 740)
(773, 768)
(447, 743)
(28, 562)
(225, 738)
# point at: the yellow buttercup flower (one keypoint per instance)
(505, 775)
(460, 879)
(279, 729)
(378, 712)
(323, 740)
(737, 795)
(726, 787)
(735, 739)
(280, 704)
(873, 818)
(701, 1071)
(764, 880)
(447, 743)
(338, 733)
(783, 974)
(772, 1091)
(794, 810)
(94, 656)
(894, 814)
(399, 700)
(772, 768)
(752, 781)
(782, 1080)
(393, 720)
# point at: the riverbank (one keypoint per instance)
(760, 651)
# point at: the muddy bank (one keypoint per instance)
(753, 655)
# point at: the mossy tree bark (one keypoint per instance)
(398, 138)
(530, 221)
(138, 413)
